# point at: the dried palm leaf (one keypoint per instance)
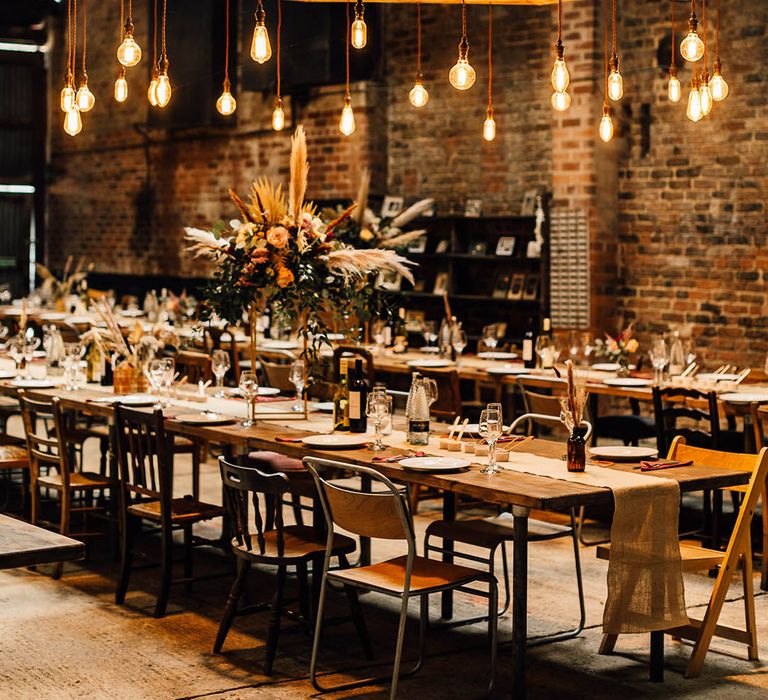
(353, 263)
(341, 217)
(299, 172)
(402, 239)
(245, 210)
(205, 243)
(411, 213)
(268, 201)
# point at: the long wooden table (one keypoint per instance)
(23, 544)
(520, 492)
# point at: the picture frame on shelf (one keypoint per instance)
(501, 286)
(443, 245)
(418, 245)
(391, 206)
(478, 248)
(389, 280)
(506, 246)
(516, 287)
(414, 318)
(441, 283)
(531, 290)
(528, 206)
(473, 208)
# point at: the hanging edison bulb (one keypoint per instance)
(615, 81)
(347, 121)
(73, 123)
(462, 75)
(226, 104)
(705, 94)
(129, 52)
(418, 96)
(261, 49)
(163, 89)
(67, 96)
(121, 86)
(489, 125)
(152, 89)
(674, 89)
(359, 28)
(84, 97)
(717, 84)
(693, 111)
(560, 76)
(278, 115)
(561, 101)
(606, 125)
(692, 47)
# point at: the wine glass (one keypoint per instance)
(296, 377)
(16, 350)
(489, 339)
(220, 366)
(459, 342)
(429, 332)
(30, 345)
(378, 407)
(154, 372)
(659, 356)
(249, 390)
(490, 428)
(169, 370)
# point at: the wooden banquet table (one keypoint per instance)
(24, 544)
(521, 492)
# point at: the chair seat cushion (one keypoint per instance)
(13, 457)
(693, 558)
(80, 480)
(491, 532)
(299, 542)
(183, 510)
(8, 404)
(265, 460)
(427, 574)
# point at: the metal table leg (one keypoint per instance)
(657, 657)
(519, 600)
(449, 513)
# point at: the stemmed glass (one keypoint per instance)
(429, 332)
(490, 341)
(459, 342)
(296, 377)
(659, 356)
(220, 367)
(490, 428)
(16, 350)
(30, 345)
(249, 390)
(155, 371)
(378, 407)
(169, 370)
(72, 357)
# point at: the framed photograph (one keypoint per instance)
(531, 291)
(418, 245)
(528, 207)
(391, 206)
(506, 246)
(442, 245)
(473, 208)
(389, 280)
(441, 283)
(501, 286)
(478, 248)
(414, 318)
(516, 287)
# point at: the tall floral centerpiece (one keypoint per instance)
(282, 256)
(618, 349)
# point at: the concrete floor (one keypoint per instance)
(67, 639)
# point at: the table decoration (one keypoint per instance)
(573, 406)
(282, 256)
(618, 349)
(54, 291)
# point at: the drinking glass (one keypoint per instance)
(489, 339)
(296, 378)
(155, 372)
(220, 367)
(430, 388)
(16, 350)
(459, 342)
(378, 408)
(72, 357)
(249, 390)
(490, 428)
(31, 343)
(659, 356)
(169, 370)
(429, 332)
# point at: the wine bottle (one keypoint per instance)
(358, 395)
(340, 403)
(529, 339)
(544, 343)
(417, 413)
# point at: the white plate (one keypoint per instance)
(627, 381)
(205, 418)
(472, 429)
(430, 363)
(7, 375)
(323, 406)
(606, 367)
(130, 313)
(712, 377)
(429, 349)
(127, 399)
(262, 391)
(53, 316)
(497, 355)
(278, 344)
(32, 383)
(744, 397)
(434, 464)
(335, 441)
(621, 453)
(508, 369)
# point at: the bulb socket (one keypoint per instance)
(83, 80)
(128, 28)
(705, 76)
(463, 49)
(260, 15)
(559, 50)
(672, 72)
(278, 103)
(606, 109)
(614, 63)
(162, 65)
(693, 23)
(359, 10)
(717, 65)
(489, 112)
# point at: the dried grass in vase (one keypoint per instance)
(574, 402)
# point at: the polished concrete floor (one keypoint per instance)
(67, 638)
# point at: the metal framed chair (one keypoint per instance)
(493, 533)
(385, 515)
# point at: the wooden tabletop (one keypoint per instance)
(22, 544)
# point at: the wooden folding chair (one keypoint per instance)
(759, 421)
(738, 554)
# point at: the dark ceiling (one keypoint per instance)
(22, 20)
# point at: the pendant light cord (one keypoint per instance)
(605, 49)
(122, 20)
(490, 56)
(672, 64)
(279, 31)
(418, 38)
(704, 29)
(559, 22)
(463, 20)
(346, 57)
(69, 39)
(163, 54)
(74, 34)
(85, 31)
(154, 37)
(717, 30)
(226, 44)
(613, 28)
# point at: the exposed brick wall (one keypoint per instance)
(678, 233)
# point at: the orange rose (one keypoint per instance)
(284, 277)
(278, 236)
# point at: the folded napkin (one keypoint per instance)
(663, 464)
(398, 458)
(288, 439)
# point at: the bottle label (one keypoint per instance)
(354, 405)
(527, 350)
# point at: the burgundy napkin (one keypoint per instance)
(663, 464)
(398, 458)
(288, 439)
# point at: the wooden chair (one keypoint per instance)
(146, 488)
(537, 404)
(272, 544)
(52, 452)
(672, 404)
(196, 366)
(737, 554)
(385, 515)
(759, 415)
(448, 404)
(14, 458)
(493, 533)
(276, 369)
